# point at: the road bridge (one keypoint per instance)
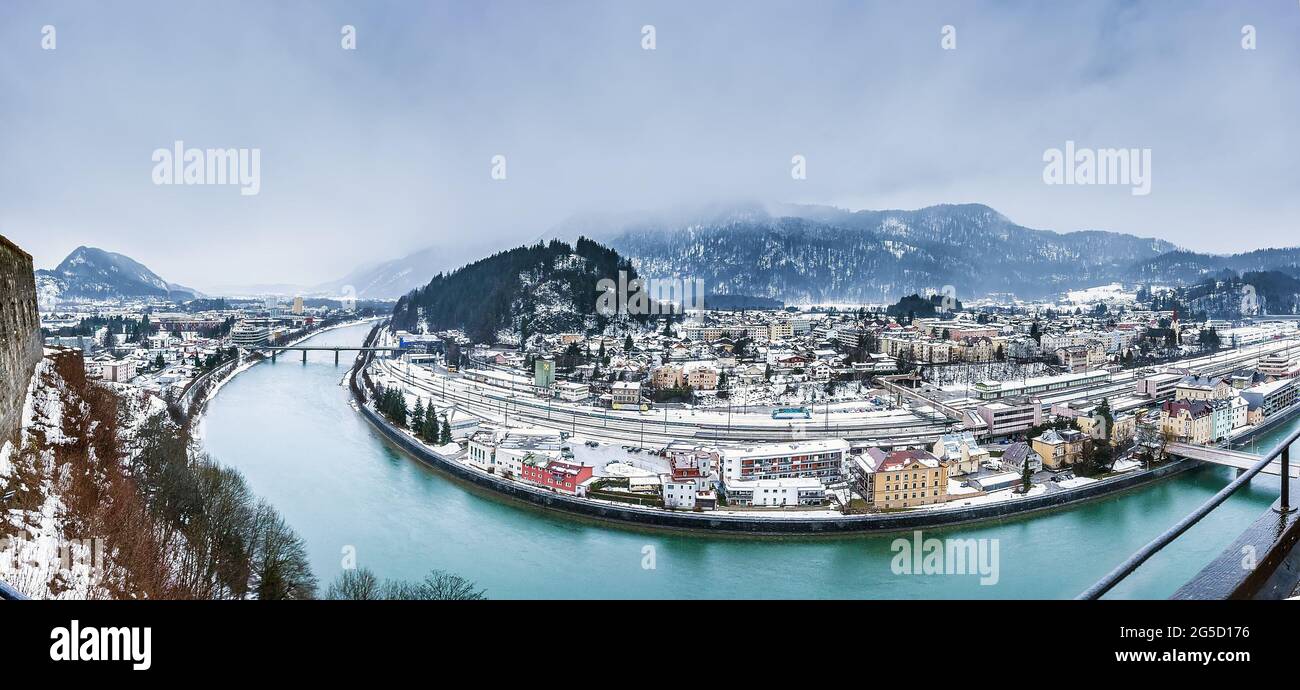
(901, 391)
(1227, 458)
(276, 349)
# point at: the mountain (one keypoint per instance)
(818, 254)
(542, 288)
(394, 278)
(90, 273)
(1229, 296)
(391, 278)
(1183, 267)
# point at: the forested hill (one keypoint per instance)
(511, 295)
(814, 255)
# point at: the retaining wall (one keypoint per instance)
(20, 334)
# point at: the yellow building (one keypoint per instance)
(1122, 428)
(1191, 421)
(900, 478)
(1060, 448)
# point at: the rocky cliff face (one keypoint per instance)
(20, 334)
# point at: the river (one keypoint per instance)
(288, 427)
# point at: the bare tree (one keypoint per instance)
(437, 585)
(356, 585)
(280, 569)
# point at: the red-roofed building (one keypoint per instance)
(555, 474)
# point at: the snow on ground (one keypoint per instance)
(993, 497)
(1126, 465)
(955, 487)
(1113, 292)
(449, 449)
(621, 469)
(614, 460)
(36, 557)
(6, 465)
(1075, 482)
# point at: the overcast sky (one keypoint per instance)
(371, 153)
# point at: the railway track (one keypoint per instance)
(645, 429)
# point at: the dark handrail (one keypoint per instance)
(1126, 568)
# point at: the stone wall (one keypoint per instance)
(20, 333)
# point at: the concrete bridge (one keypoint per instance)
(1227, 458)
(890, 383)
(276, 349)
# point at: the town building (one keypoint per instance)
(1191, 421)
(626, 394)
(557, 475)
(996, 390)
(1272, 397)
(689, 484)
(1017, 455)
(505, 451)
(570, 391)
(901, 478)
(543, 372)
(1200, 388)
(961, 451)
(1010, 416)
(1158, 386)
(117, 371)
(1060, 448)
(791, 491)
(1122, 427)
(821, 459)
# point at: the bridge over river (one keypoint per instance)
(1227, 458)
(276, 349)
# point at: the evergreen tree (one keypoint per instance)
(429, 429)
(445, 437)
(417, 416)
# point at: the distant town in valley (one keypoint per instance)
(991, 302)
(811, 411)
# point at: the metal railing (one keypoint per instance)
(1126, 568)
(8, 593)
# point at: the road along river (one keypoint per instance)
(290, 429)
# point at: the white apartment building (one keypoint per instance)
(504, 451)
(119, 371)
(1051, 342)
(820, 459)
(795, 491)
(1009, 416)
(572, 392)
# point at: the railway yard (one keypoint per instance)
(916, 419)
